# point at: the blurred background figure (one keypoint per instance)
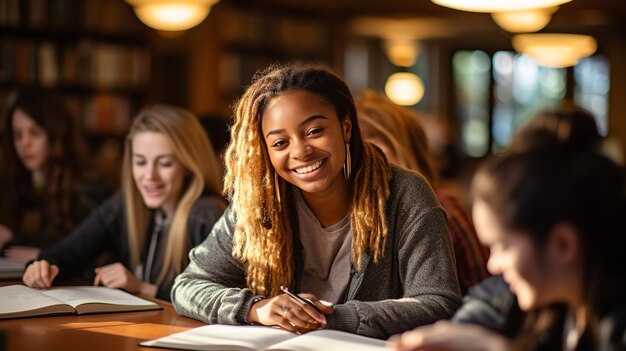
(42, 197)
(551, 209)
(398, 133)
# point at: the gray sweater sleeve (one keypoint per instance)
(213, 288)
(415, 282)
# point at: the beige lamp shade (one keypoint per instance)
(404, 88)
(498, 5)
(524, 21)
(555, 50)
(402, 53)
(172, 15)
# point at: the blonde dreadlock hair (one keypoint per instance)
(264, 236)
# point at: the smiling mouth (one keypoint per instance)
(152, 188)
(310, 168)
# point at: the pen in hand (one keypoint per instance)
(300, 299)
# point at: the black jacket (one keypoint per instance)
(105, 232)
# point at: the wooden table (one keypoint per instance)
(111, 332)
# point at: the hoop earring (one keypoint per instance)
(277, 187)
(347, 166)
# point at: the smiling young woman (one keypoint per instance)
(168, 203)
(315, 209)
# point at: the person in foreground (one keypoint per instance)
(491, 303)
(398, 133)
(168, 204)
(42, 196)
(552, 213)
(315, 209)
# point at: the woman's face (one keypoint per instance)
(157, 172)
(30, 141)
(513, 254)
(306, 141)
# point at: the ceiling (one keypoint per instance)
(577, 13)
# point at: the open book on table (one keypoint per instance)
(259, 338)
(21, 301)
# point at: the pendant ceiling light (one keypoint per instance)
(498, 5)
(172, 15)
(524, 21)
(555, 50)
(404, 88)
(402, 53)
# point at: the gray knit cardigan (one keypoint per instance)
(413, 284)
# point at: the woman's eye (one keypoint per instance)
(315, 131)
(165, 164)
(279, 143)
(140, 163)
(37, 132)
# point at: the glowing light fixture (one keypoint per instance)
(524, 21)
(498, 5)
(404, 88)
(555, 50)
(402, 53)
(172, 15)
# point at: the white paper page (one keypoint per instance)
(78, 295)
(223, 337)
(18, 298)
(330, 340)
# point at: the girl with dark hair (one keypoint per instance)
(42, 198)
(552, 212)
(315, 209)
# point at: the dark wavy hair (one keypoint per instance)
(61, 197)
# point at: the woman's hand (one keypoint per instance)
(40, 274)
(445, 336)
(116, 275)
(289, 314)
(21, 254)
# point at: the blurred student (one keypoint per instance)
(398, 133)
(491, 303)
(168, 203)
(42, 186)
(315, 209)
(551, 210)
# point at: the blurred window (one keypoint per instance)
(496, 94)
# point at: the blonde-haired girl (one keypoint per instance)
(315, 209)
(168, 203)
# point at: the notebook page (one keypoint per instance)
(330, 340)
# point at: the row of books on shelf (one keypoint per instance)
(105, 16)
(103, 114)
(86, 63)
(297, 35)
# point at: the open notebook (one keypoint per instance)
(21, 301)
(259, 338)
